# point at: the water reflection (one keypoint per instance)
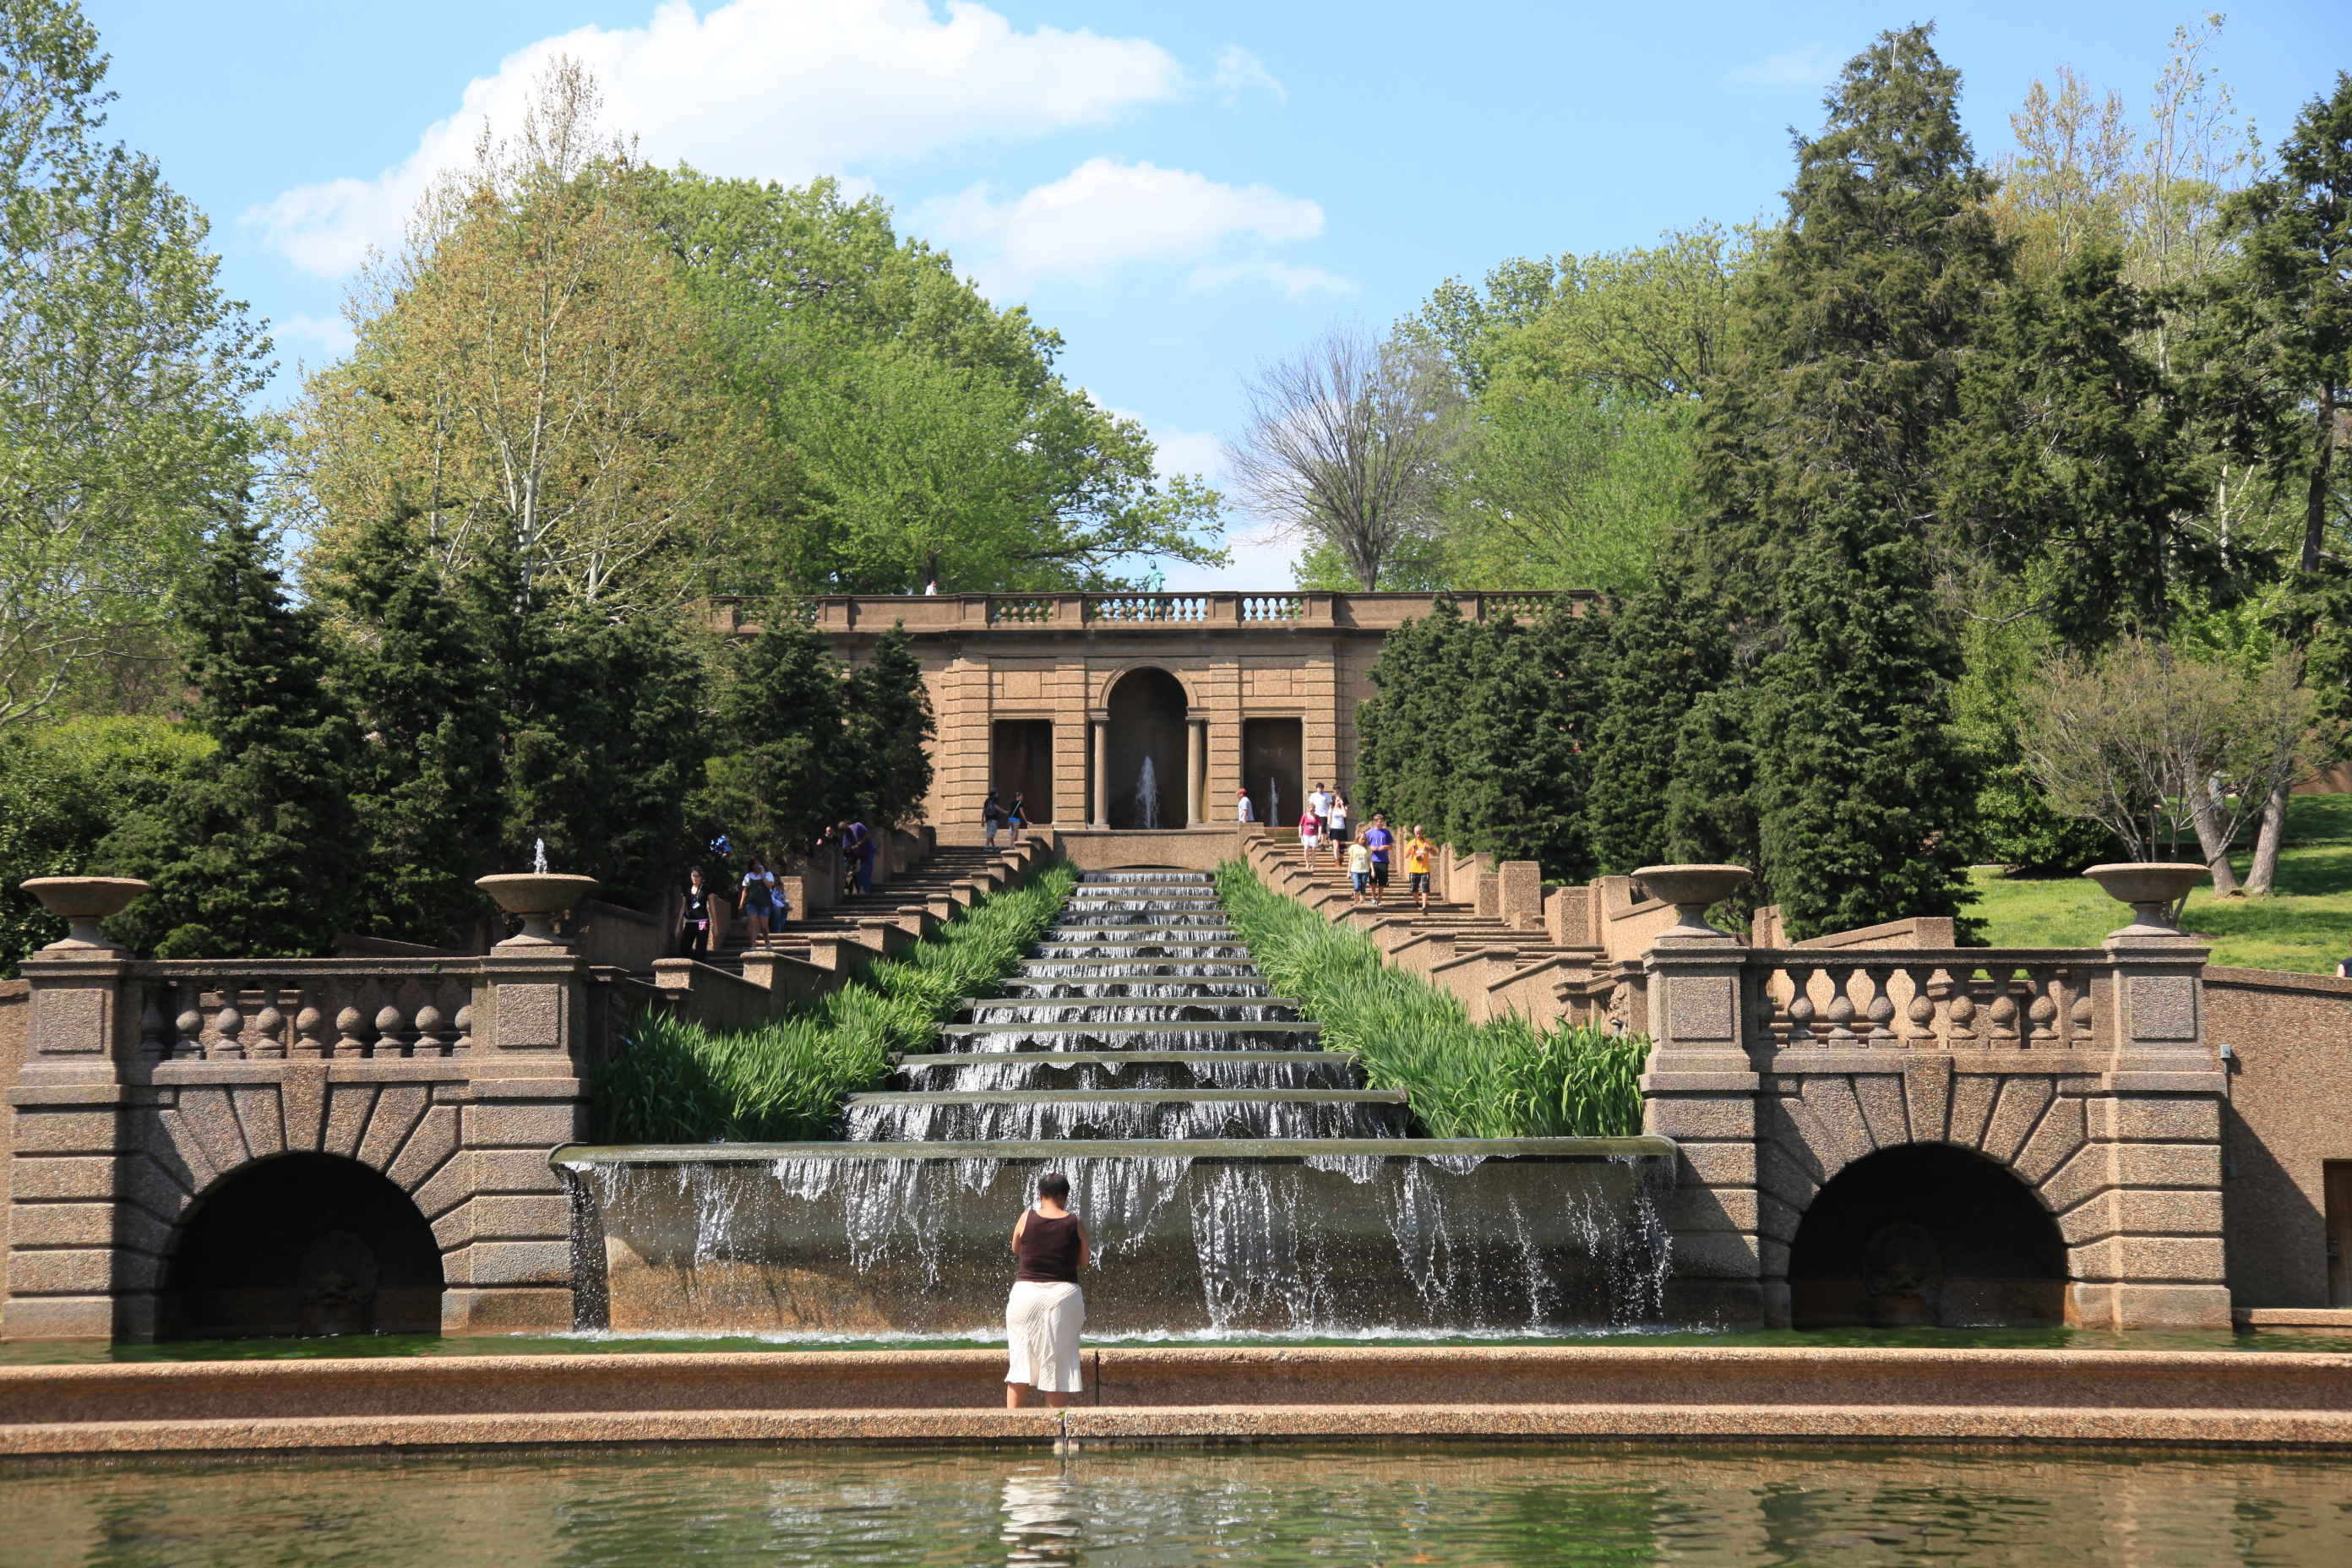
(1041, 1517)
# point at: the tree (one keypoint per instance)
(783, 751)
(1669, 643)
(256, 851)
(889, 730)
(122, 431)
(529, 374)
(426, 778)
(1347, 441)
(1405, 755)
(1817, 452)
(914, 434)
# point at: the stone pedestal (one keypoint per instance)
(1700, 1090)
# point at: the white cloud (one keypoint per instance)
(1240, 73)
(1293, 280)
(1104, 215)
(770, 89)
(1808, 65)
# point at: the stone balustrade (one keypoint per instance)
(1930, 999)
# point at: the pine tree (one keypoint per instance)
(1406, 756)
(784, 753)
(1522, 741)
(1669, 643)
(426, 784)
(1819, 459)
(256, 851)
(889, 721)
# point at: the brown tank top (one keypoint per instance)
(1049, 1248)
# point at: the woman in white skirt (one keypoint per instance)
(1048, 1308)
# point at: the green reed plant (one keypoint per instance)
(1504, 1079)
(782, 1082)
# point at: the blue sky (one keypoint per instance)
(1182, 190)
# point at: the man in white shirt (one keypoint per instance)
(1319, 801)
(1241, 807)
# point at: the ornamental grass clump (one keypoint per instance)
(1507, 1079)
(782, 1082)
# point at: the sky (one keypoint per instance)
(1182, 190)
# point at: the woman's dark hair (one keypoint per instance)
(1054, 1185)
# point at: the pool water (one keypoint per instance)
(38, 1352)
(1177, 1508)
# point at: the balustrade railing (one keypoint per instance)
(1519, 606)
(1954, 999)
(1003, 611)
(1260, 609)
(1142, 609)
(199, 1009)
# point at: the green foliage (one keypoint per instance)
(1668, 643)
(915, 433)
(254, 852)
(676, 1083)
(889, 729)
(1504, 1079)
(774, 786)
(426, 780)
(124, 378)
(64, 786)
(1482, 733)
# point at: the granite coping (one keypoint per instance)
(1189, 1395)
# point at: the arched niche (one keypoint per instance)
(1147, 709)
(1926, 1234)
(301, 1244)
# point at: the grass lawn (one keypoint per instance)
(2307, 927)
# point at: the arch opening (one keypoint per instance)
(302, 1244)
(1144, 758)
(1926, 1234)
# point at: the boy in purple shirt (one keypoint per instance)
(1380, 842)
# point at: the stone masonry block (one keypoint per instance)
(40, 1131)
(68, 1271)
(210, 1116)
(2089, 1222)
(89, 1177)
(510, 1170)
(2088, 1171)
(1784, 1179)
(1721, 1118)
(1772, 1259)
(1790, 1125)
(2159, 1119)
(527, 1018)
(2060, 1134)
(2015, 1115)
(2195, 1260)
(1719, 1164)
(2177, 1212)
(1879, 1095)
(259, 1119)
(2171, 1306)
(397, 1111)
(172, 1144)
(58, 1318)
(154, 1188)
(1845, 1134)
(1972, 1096)
(521, 1218)
(1715, 1255)
(61, 1225)
(140, 1231)
(304, 1104)
(447, 1187)
(1687, 1210)
(455, 1229)
(540, 1126)
(1927, 1096)
(2166, 1165)
(511, 1311)
(348, 1105)
(1775, 1220)
(519, 1263)
(434, 1140)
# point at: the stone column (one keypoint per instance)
(1102, 774)
(74, 1272)
(1196, 748)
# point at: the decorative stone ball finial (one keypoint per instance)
(2151, 888)
(82, 902)
(1692, 890)
(537, 898)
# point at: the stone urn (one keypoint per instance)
(1691, 890)
(538, 896)
(82, 902)
(2151, 888)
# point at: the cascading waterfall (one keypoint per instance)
(1235, 1176)
(1147, 796)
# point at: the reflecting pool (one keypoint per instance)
(1173, 1508)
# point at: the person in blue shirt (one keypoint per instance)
(1382, 844)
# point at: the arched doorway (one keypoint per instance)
(303, 1243)
(1147, 724)
(1926, 1233)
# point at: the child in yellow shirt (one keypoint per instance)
(1418, 854)
(1359, 868)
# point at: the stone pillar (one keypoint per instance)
(507, 1257)
(1196, 750)
(1102, 774)
(74, 1272)
(1519, 888)
(1700, 1090)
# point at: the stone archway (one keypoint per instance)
(1926, 1234)
(1147, 709)
(301, 1244)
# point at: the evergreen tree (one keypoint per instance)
(1668, 643)
(1710, 820)
(256, 852)
(426, 784)
(1521, 746)
(889, 721)
(1405, 756)
(1819, 456)
(782, 755)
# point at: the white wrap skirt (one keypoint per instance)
(1041, 1325)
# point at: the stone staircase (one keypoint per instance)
(1140, 1015)
(912, 900)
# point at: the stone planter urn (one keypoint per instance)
(538, 896)
(2151, 888)
(82, 902)
(1691, 890)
